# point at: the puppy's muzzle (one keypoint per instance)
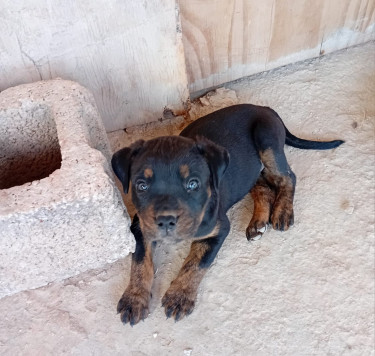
(166, 207)
(166, 224)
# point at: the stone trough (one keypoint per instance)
(60, 211)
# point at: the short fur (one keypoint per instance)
(182, 187)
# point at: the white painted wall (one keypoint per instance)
(128, 53)
(133, 57)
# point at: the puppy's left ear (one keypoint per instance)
(217, 158)
(121, 163)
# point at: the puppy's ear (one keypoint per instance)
(122, 160)
(216, 156)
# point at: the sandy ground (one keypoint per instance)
(307, 291)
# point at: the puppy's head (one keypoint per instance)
(174, 180)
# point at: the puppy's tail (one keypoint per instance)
(297, 142)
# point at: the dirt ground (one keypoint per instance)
(307, 291)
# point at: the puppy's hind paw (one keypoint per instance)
(282, 219)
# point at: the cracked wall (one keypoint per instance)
(138, 58)
(128, 54)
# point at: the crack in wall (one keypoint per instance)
(29, 58)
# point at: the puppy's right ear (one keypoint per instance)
(121, 163)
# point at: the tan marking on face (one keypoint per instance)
(187, 224)
(148, 173)
(147, 223)
(185, 227)
(184, 171)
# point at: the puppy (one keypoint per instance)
(182, 187)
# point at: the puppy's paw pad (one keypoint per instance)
(177, 304)
(133, 307)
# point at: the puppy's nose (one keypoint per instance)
(166, 222)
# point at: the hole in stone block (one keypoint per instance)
(29, 145)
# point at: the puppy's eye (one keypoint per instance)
(142, 186)
(193, 184)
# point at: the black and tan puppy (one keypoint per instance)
(182, 187)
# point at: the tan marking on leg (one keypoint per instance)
(141, 275)
(271, 171)
(282, 215)
(179, 300)
(147, 222)
(184, 171)
(282, 212)
(263, 197)
(134, 302)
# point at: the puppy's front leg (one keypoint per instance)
(133, 304)
(179, 299)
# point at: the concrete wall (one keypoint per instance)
(128, 53)
(136, 60)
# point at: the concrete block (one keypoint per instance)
(60, 210)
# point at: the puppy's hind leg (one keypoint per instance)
(264, 197)
(279, 175)
(269, 137)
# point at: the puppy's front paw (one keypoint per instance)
(133, 306)
(178, 303)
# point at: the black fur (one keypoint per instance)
(243, 130)
(139, 252)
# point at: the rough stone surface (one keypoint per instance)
(307, 291)
(29, 144)
(60, 213)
